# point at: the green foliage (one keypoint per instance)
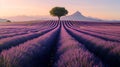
(58, 11)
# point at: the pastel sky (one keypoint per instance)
(104, 9)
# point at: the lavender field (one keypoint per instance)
(60, 44)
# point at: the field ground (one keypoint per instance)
(59, 44)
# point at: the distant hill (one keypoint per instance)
(28, 18)
(77, 16)
(4, 20)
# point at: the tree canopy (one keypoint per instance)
(58, 11)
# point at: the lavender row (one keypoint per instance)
(101, 31)
(104, 37)
(102, 41)
(9, 42)
(12, 29)
(98, 46)
(26, 30)
(20, 32)
(71, 53)
(103, 28)
(12, 34)
(33, 53)
(114, 55)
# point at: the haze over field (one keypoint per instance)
(103, 9)
(77, 16)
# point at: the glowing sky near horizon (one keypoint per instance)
(104, 9)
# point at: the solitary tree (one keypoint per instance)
(58, 11)
(8, 21)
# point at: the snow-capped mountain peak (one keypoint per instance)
(77, 16)
(77, 13)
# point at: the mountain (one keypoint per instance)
(28, 18)
(77, 16)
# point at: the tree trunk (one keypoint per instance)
(59, 19)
